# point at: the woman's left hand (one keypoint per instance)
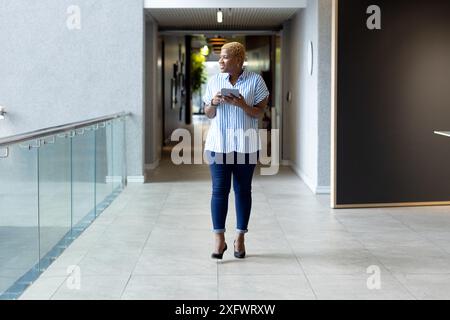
(236, 101)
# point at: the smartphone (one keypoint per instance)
(229, 92)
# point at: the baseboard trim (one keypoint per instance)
(152, 166)
(323, 190)
(117, 179)
(135, 179)
(308, 181)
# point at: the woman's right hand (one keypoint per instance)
(218, 99)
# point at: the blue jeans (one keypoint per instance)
(223, 166)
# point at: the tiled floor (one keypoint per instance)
(154, 242)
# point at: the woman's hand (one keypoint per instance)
(236, 101)
(218, 99)
(210, 110)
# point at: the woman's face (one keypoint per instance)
(229, 63)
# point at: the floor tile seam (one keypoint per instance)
(56, 290)
(142, 249)
(218, 272)
(111, 209)
(193, 274)
(125, 286)
(217, 281)
(293, 253)
(66, 276)
(421, 235)
(375, 257)
(265, 274)
(396, 276)
(59, 287)
(91, 247)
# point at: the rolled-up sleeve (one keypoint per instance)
(261, 91)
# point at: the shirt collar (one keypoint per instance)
(242, 76)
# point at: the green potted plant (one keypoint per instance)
(198, 74)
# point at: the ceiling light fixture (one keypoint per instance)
(216, 43)
(219, 16)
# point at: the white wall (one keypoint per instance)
(324, 95)
(153, 107)
(51, 75)
(307, 117)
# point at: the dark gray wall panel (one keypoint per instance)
(393, 92)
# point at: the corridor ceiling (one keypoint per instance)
(233, 19)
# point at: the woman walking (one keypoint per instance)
(233, 144)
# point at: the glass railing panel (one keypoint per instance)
(104, 165)
(118, 154)
(51, 189)
(83, 179)
(54, 196)
(19, 236)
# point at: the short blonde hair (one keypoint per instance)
(236, 49)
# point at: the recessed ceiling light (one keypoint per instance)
(219, 16)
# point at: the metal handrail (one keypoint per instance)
(22, 137)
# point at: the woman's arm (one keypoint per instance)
(258, 109)
(210, 111)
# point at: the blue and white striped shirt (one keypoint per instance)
(233, 130)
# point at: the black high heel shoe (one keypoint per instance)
(237, 254)
(219, 256)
